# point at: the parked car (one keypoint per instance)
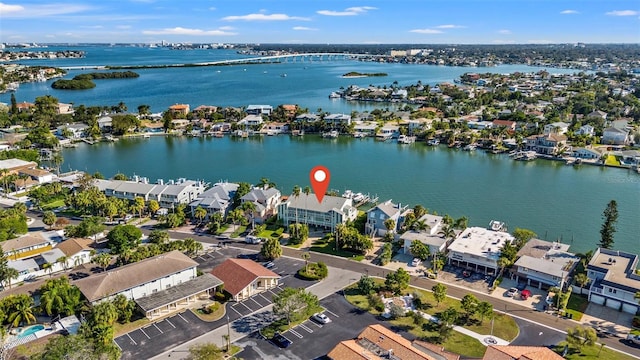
(415, 262)
(512, 292)
(281, 341)
(250, 239)
(466, 273)
(634, 339)
(269, 265)
(321, 318)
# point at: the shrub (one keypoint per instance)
(314, 271)
(375, 302)
(418, 319)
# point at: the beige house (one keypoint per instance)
(244, 278)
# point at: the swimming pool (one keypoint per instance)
(30, 330)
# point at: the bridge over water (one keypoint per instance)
(269, 59)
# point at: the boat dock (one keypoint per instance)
(359, 199)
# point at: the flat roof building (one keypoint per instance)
(478, 248)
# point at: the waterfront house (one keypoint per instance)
(25, 107)
(586, 153)
(417, 125)
(251, 120)
(14, 166)
(204, 110)
(290, 110)
(478, 249)
(305, 209)
(428, 232)
(105, 123)
(75, 130)
(168, 195)
(614, 281)
(180, 110)
(259, 110)
(306, 118)
(266, 202)
(615, 136)
(548, 144)
(367, 128)
(244, 278)
(377, 342)
(159, 285)
(544, 264)
(274, 128)
(217, 199)
(558, 127)
(377, 216)
(38, 175)
(337, 119)
(388, 131)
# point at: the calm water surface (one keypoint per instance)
(554, 200)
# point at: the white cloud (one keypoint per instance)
(38, 11)
(186, 31)
(352, 11)
(7, 8)
(303, 28)
(426, 31)
(226, 28)
(623, 13)
(123, 27)
(569, 12)
(503, 41)
(92, 27)
(263, 17)
(450, 26)
(504, 32)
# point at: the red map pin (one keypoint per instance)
(319, 177)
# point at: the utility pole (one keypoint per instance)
(228, 334)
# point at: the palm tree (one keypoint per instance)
(448, 232)
(48, 268)
(484, 308)
(138, 205)
(306, 191)
(199, 213)
(306, 256)
(52, 300)
(192, 246)
(249, 209)
(10, 275)
(57, 160)
(296, 194)
(22, 313)
(103, 260)
(64, 261)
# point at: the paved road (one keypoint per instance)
(548, 320)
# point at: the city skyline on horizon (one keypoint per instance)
(332, 22)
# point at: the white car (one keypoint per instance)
(512, 292)
(321, 318)
(415, 262)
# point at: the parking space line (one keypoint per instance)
(145, 334)
(316, 324)
(170, 323)
(306, 328)
(232, 308)
(130, 338)
(185, 320)
(295, 333)
(119, 347)
(268, 301)
(161, 332)
(254, 300)
(332, 313)
(250, 309)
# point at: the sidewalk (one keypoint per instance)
(485, 340)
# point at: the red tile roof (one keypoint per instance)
(508, 352)
(237, 274)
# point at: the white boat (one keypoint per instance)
(470, 147)
(405, 139)
(283, 75)
(146, 136)
(359, 135)
(334, 95)
(433, 142)
(348, 194)
(333, 134)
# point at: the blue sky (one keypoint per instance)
(326, 21)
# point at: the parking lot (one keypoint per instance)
(311, 340)
(165, 334)
(473, 280)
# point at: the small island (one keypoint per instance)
(355, 74)
(83, 81)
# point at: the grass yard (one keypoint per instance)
(576, 306)
(121, 329)
(329, 248)
(591, 352)
(53, 205)
(612, 161)
(239, 230)
(273, 234)
(218, 312)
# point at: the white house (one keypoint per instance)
(259, 110)
(556, 128)
(77, 130)
(615, 136)
(168, 195)
(478, 248)
(217, 199)
(305, 209)
(338, 119)
(251, 120)
(544, 264)
(159, 285)
(614, 281)
(586, 130)
(266, 202)
(378, 215)
(586, 153)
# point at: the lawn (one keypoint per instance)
(329, 248)
(271, 234)
(218, 312)
(576, 306)
(591, 352)
(121, 329)
(53, 205)
(239, 230)
(612, 161)
(504, 326)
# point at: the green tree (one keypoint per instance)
(580, 336)
(122, 238)
(191, 246)
(484, 308)
(76, 347)
(469, 304)
(298, 233)
(200, 214)
(49, 218)
(153, 206)
(581, 279)
(206, 351)
(158, 237)
(103, 260)
(521, 236)
(419, 250)
(138, 205)
(58, 296)
(448, 232)
(610, 216)
(366, 285)
(271, 249)
(21, 311)
(243, 189)
(397, 281)
(439, 292)
(294, 304)
(124, 307)
(306, 256)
